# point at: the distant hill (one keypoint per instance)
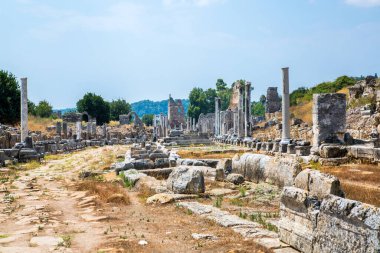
(65, 110)
(142, 107)
(152, 107)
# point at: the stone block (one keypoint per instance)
(318, 184)
(332, 151)
(347, 226)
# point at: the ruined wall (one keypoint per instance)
(315, 218)
(329, 118)
(206, 123)
(176, 113)
(273, 101)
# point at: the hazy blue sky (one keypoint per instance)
(147, 49)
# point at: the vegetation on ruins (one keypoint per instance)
(147, 119)
(201, 101)
(119, 107)
(95, 106)
(258, 107)
(10, 98)
(154, 107)
(303, 94)
(43, 109)
(224, 93)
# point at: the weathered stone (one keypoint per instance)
(185, 180)
(235, 178)
(298, 220)
(347, 226)
(329, 118)
(318, 184)
(161, 163)
(132, 176)
(282, 171)
(332, 151)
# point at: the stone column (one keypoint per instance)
(59, 128)
(93, 129)
(24, 108)
(64, 127)
(104, 131)
(247, 105)
(217, 116)
(285, 107)
(79, 130)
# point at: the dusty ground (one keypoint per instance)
(42, 210)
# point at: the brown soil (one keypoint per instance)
(51, 202)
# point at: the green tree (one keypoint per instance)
(201, 102)
(95, 106)
(258, 109)
(224, 93)
(44, 109)
(119, 107)
(147, 119)
(9, 98)
(32, 108)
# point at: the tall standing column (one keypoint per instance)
(247, 105)
(285, 107)
(217, 116)
(24, 108)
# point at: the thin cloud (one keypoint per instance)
(364, 3)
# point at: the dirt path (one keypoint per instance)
(41, 211)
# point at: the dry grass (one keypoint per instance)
(145, 192)
(40, 124)
(359, 173)
(362, 193)
(107, 192)
(303, 111)
(203, 154)
(359, 181)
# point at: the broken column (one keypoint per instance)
(79, 130)
(24, 108)
(59, 128)
(285, 109)
(329, 118)
(247, 112)
(273, 101)
(64, 127)
(217, 116)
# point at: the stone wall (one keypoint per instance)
(273, 101)
(315, 218)
(329, 118)
(176, 113)
(206, 123)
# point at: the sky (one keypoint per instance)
(148, 49)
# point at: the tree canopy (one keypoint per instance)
(95, 106)
(119, 107)
(9, 98)
(147, 119)
(201, 102)
(43, 109)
